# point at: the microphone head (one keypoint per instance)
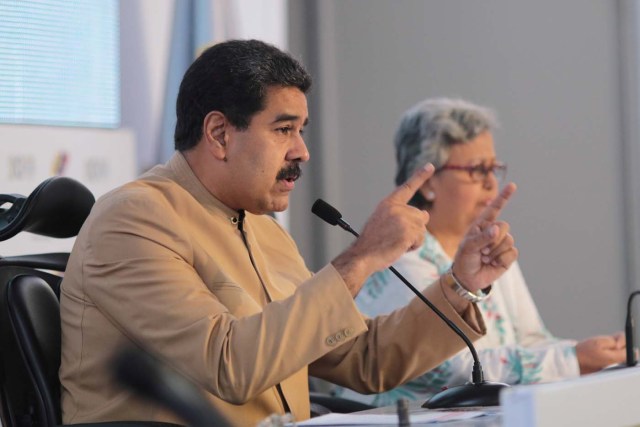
(137, 370)
(326, 212)
(153, 380)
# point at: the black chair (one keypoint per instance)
(29, 304)
(323, 403)
(29, 307)
(34, 317)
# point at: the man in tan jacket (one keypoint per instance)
(185, 262)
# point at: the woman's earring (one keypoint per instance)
(430, 196)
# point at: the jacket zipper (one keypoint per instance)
(241, 216)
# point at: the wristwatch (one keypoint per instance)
(474, 297)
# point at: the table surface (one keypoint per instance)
(492, 419)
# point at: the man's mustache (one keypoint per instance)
(292, 172)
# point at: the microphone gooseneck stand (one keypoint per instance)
(629, 332)
(478, 392)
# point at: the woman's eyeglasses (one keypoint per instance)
(480, 172)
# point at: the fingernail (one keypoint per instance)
(486, 251)
(485, 259)
(428, 167)
(491, 231)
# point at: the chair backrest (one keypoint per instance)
(56, 208)
(33, 311)
(29, 301)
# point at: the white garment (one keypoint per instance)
(517, 348)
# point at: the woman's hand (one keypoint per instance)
(599, 352)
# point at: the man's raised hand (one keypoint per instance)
(392, 229)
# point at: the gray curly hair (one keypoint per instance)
(429, 129)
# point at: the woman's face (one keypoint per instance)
(459, 198)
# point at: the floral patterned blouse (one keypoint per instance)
(517, 348)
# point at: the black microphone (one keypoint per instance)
(154, 381)
(629, 332)
(476, 393)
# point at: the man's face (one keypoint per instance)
(264, 159)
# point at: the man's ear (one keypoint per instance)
(214, 132)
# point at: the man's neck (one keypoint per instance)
(201, 165)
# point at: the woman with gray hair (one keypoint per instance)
(456, 137)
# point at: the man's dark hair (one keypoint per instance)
(233, 78)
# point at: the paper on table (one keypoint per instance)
(386, 419)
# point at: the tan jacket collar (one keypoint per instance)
(183, 175)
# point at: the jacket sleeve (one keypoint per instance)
(399, 346)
